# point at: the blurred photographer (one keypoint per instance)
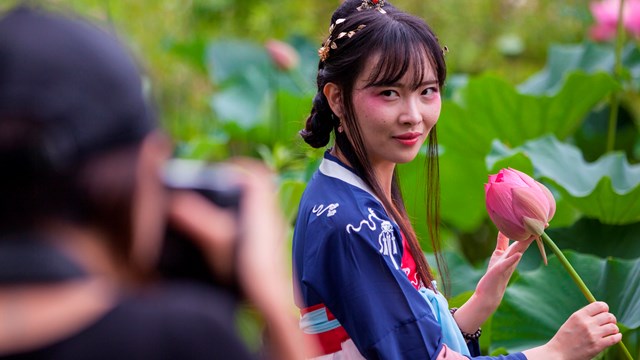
(83, 212)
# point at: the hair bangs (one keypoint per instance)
(403, 51)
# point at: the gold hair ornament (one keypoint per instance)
(330, 43)
(372, 4)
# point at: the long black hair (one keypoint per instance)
(400, 43)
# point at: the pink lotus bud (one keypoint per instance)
(519, 206)
(632, 17)
(605, 14)
(283, 55)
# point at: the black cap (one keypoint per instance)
(75, 80)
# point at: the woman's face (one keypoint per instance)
(395, 119)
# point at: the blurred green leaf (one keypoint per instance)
(192, 51)
(589, 236)
(232, 59)
(203, 148)
(591, 138)
(411, 174)
(245, 102)
(540, 301)
(463, 277)
(255, 95)
(290, 192)
(588, 57)
(462, 176)
(291, 115)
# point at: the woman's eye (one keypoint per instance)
(389, 93)
(429, 91)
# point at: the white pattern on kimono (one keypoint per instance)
(388, 242)
(386, 239)
(370, 224)
(330, 209)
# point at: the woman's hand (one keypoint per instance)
(586, 333)
(492, 285)
(503, 262)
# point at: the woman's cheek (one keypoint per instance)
(369, 108)
(435, 111)
(371, 101)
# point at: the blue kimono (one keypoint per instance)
(347, 263)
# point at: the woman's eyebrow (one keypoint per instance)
(426, 83)
(400, 84)
(429, 82)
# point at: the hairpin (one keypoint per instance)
(329, 44)
(372, 4)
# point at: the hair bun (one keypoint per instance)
(315, 139)
(320, 123)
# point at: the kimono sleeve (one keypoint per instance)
(357, 274)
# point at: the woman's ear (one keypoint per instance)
(333, 93)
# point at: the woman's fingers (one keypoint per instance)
(503, 247)
(207, 224)
(601, 321)
(502, 242)
(605, 318)
(596, 329)
(507, 265)
(596, 308)
(519, 247)
(210, 227)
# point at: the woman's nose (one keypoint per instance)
(411, 112)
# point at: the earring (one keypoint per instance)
(340, 129)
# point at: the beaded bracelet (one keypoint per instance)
(467, 336)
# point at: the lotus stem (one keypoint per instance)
(617, 74)
(578, 280)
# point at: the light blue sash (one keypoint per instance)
(451, 334)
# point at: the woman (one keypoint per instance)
(365, 288)
(83, 212)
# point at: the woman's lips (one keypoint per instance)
(409, 138)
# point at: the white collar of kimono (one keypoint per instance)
(333, 169)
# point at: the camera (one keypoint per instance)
(180, 257)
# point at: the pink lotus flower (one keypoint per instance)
(519, 206)
(605, 13)
(283, 55)
(632, 17)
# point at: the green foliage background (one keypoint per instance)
(525, 89)
(170, 37)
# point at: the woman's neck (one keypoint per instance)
(383, 172)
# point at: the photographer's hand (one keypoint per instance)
(262, 272)
(249, 246)
(212, 228)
